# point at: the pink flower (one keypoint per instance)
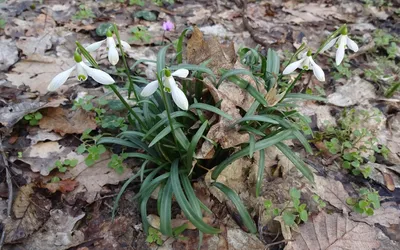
(168, 26)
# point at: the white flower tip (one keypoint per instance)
(179, 98)
(149, 89)
(293, 66)
(182, 73)
(60, 79)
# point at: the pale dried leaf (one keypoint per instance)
(64, 121)
(332, 191)
(334, 231)
(386, 215)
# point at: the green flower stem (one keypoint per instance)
(333, 35)
(112, 86)
(127, 69)
(167, 108)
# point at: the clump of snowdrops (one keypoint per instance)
(169, 118)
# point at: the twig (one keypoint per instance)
(278, 242)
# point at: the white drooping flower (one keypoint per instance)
(307, 63)
(170, 86)
(83, 71)
(113, 56)
(342, 42)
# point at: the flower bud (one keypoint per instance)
(77, 57)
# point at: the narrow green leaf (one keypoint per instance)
(193, 144)
(195, 67)
(303, 141)
(161, 60)
(179, 46)
(164, 133)
(142, 156)
(246, 218)
(306, 97)
(252, 143)
(300, 165)
(211, 109)
(259, 118)
(182, 139)
(261, 166)
(165, 209)
(185, 205)
(262, 144)
(235, 72)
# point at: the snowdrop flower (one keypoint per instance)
(307, 63)
(170, 86)
(341, 42)
(83, 72)
(113, 56)
(168, 26)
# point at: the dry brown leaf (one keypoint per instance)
(219, 56)
(332, 191)
(57, 233)
(37, 71)
(31, 211)
(334, 231)
(43, 156)
(63, 186)
(386, 215)
(65, 121)
(9, 54)
(313, 12)
(92, 179)
(11, 114)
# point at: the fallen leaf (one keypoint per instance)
(217, 55)
(57, 233)
(65, 121)
(31, 211)
(37, 71)
(332, 191)
(355, 91)
(63, 186)
(384, 175)
(334, 231)
(313, 12)
(35, 45)
(40, 135)
(43, 156)
(92, 179)
(386, 215)
(9, 54)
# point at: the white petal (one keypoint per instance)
(98, 75)
(110, 42)
(60, 79)
(81, 73)
(318, 72)
(125, 45)
(302, 54)
(182, 73)
(113, 56)
(340, 50)
(330, 44)
(149, 89)
(306, 63)
(168, 82)
(352, 45)
(293, 66)
(179, 98)
(94, 46)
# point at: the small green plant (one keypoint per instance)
(33, 118)
(162, 2)
(84, 12)
(290, 215)
(348, 140)
(2, 23)
(116, 163)
(319, 201)
(55, 179)
(89, 145)
(154, 236)
(136, 2)
(63, 166)
(140, 33)
(366, 203)
(377, 3)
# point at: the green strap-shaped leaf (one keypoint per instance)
(246, 218)
(211, 109)
(164, 133)
(193, 144)
(262, 144)
(187, 209)
(261, 166)
(165, 209)
(258, 118)
(300, 165)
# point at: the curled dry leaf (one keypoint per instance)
(334, 231)
(65, 121)
(63, 186)
(31, 210)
